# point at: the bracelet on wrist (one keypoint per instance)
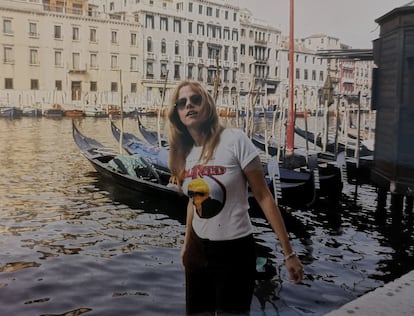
(291, 255)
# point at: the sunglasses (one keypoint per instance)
(192, 194)
(194, 99)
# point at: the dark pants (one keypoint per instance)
(220, 275)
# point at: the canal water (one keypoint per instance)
(72, 244)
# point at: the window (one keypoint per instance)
(226, 15)
(191, 48)
(133, 39)
(200, 73)
(297, 73)
(76, 8)
(177, 48)
(75, 61)
(92, 36)
(321, 75)
(164, 71)
(177, 26)
(190, 7)
(190, 72)
(8, 54)
(313, 74)
(149, 22)
(149, 44)
(190, 27)
(305, 74)
(8, 83)
(200, 9)
(163, 24)
(200, 49)
(114, 37)
(34, 84)
(217, 13)
(177, 72)
(93, 60)
(57, 32)
(235, 54)
(93, 86)
(33, 29)
(58, 58)
(114, 86)
(58, 85)
(7, 26)
(133, 63)
(76, 90)
(34, 56)
(59, 6)
(114, 62)
(150, 70)
(75, 33)
(200, 29)
(226, 53)
(235, 35)
(226, 34)
(209, 11)
(133, 87)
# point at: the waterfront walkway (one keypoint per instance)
(395, 298)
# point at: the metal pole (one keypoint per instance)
(290, 123)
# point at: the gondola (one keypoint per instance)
(145, 181)
(358, 171)
(151, 136)
(272, 149)
(157, 156)
(296, 188)
(328, 178)
(331, 146)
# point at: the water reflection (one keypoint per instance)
(72, 243)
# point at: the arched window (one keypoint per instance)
(149, 44)
(177, 48)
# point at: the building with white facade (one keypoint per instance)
(103, 51)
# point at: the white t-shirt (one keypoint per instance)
(219, 188)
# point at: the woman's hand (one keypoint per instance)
(295, 269)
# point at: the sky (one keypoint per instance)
(352, 21)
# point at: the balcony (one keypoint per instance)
(191, 60)
(150, 56)
(34, 35)
(177, 59)
(260, 42)
(164, 57)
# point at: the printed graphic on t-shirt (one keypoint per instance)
(207, 192)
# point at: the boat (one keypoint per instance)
(293, 184)
(157, 156)
(93, 111)
(272, 149)
(73, 113)
(331, 146)
(151, 136)
(357, 170)
(116, 168)
(10, 112)
(32, 112)
(56, 111)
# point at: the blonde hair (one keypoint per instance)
(180, 140)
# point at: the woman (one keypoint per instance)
(212, 164)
